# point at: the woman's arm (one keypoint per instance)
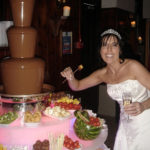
(143, 76)
(141, 73)
(84, 83)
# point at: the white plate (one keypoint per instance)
(59, 118)
(4, 125)
(71, 111)
(32, 124)
(74, 149)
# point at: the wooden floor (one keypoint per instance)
(112, 128)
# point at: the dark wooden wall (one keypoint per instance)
(49, 43)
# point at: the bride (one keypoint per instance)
(121, 76)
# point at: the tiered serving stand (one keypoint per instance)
(11, 133)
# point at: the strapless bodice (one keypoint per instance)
(138, 91)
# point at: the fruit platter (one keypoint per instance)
(57, 143)
(66, 101)
(86, 126)
(55, 123)
(32, 119)
(8, 118)
(57, 112)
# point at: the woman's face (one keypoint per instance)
(110, 49)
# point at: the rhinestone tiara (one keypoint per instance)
(111, 31)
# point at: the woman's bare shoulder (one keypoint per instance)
(136, 68)
(133, 63)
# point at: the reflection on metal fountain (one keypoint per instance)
(26, 98)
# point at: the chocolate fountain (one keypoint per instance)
(22, 73)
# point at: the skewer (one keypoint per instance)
(80, 67)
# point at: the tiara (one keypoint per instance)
(111, 31)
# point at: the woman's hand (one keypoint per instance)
(68, 74)
(134, 108)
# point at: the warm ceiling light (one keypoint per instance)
(133, 24)
(140, 39)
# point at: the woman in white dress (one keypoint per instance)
(121, 75)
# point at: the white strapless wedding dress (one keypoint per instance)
(132, 134)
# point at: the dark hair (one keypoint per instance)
(120, 42)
